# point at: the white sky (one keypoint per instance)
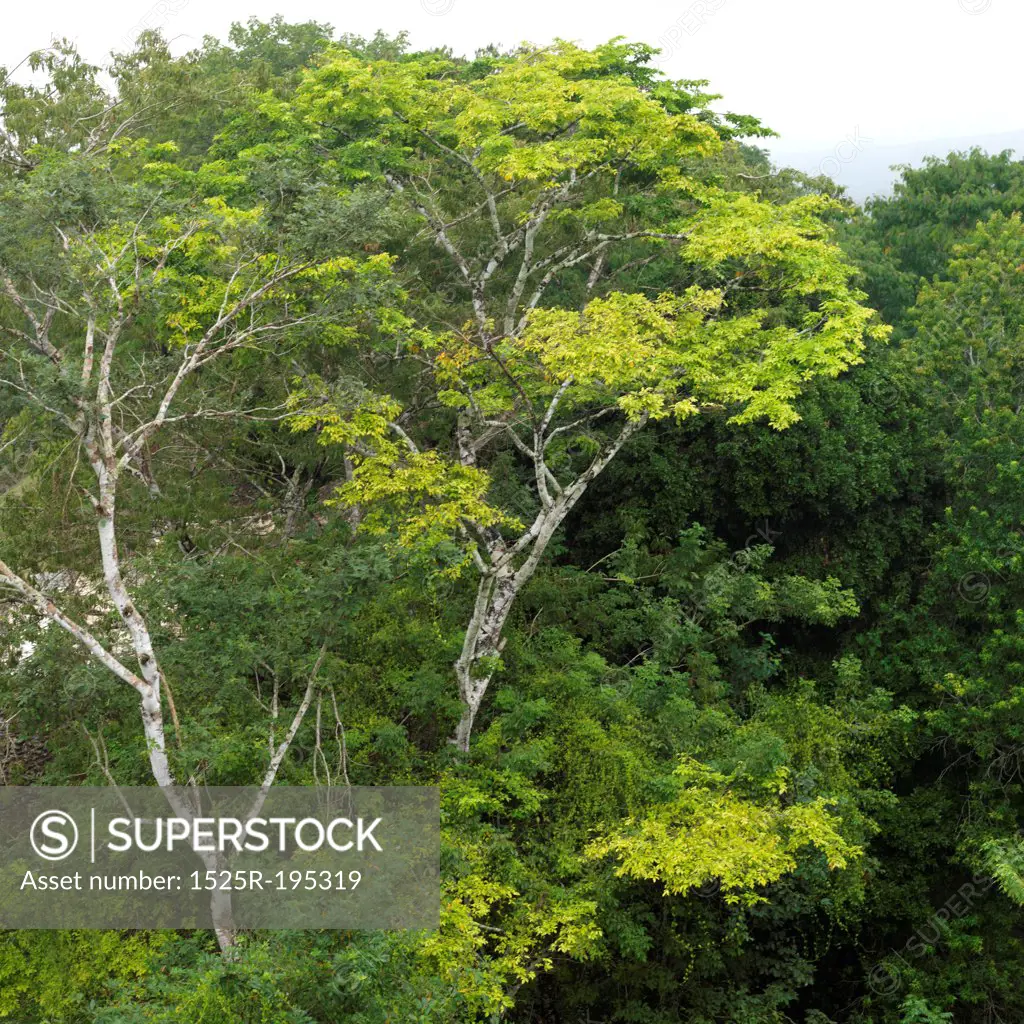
(817, 71)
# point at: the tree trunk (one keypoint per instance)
(496, 594)
(295, 502)
(220, 909)
(495, 597)
(501, 583)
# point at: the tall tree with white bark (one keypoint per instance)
(550, 182)
(122, 284)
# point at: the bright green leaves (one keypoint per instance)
(531, 939)
(815, 324)
(620, 345)
(49, 975)
(1003, 859)
(534, 183)
(710, 832)
(541, 920)
(345, 416)
(568, 120)
(780, 312)
(677, 354)
(428, 497)
(155, 245)
(538, 115)
(738, 225)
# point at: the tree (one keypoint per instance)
(68, 111)
(909, 236)
(751, 718)
(540, 183)
(116, 301)
(963, 632)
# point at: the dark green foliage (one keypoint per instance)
(910, 236)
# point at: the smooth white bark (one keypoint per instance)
(112, 451)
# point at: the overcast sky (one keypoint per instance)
(824, 73)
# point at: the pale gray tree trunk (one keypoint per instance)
(506, 570)
(112, 450)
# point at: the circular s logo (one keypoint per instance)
(54, 835)
(974, 587)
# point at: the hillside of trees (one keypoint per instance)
(519, 428)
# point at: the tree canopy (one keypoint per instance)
(510, 424)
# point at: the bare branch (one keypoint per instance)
(278, 754)
(47, 609)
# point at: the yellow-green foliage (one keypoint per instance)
(711, 832)
(46, 975)
(428, 495)
(540, 92)
(1003, 859)
(767, 308)
(483, 963)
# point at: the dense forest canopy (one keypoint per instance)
(512, 425)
